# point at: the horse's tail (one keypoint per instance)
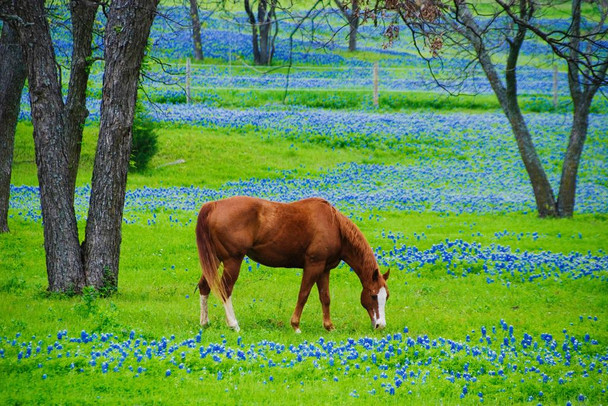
(206, 252)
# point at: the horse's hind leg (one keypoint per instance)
(203, 288)
(323, 286)
(232, 267)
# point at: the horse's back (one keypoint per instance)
(246, 211)
(273, 233)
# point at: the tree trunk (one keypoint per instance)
(83, 17)
(254, 33)
(353, 23)
(543, 193)
(578, 134)
(262, 37)
(265, 38)
(127, 31)
(582, 93)
(264, 24)
(196, 31)
(12, 79)
(63, 258)
(352, 17)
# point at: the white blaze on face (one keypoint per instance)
(380, 319)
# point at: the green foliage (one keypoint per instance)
(89, 305)
(102, 314)
(12, 285)
(145, 140)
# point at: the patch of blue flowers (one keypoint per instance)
(452, 187)
(228, 38)
(396, 363)
(496, 262)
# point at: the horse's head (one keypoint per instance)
(374, 297)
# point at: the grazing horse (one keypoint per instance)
(309, 234)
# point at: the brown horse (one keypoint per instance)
(309, 234)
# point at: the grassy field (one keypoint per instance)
(488, 303)
(446, 332)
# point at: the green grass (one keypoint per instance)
(159, 271)
(357, 99)
(212, 157)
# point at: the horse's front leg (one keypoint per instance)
(310, 275)
(323, 287)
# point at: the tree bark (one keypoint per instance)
(12, 79)
(507, 97)
(127, 31)
(254, 33)
(352, 17)
(353, 23)
(262, 37)
(265, 27)
(582, 93)
(63, 258)
(578, 135)
(196, 31)
(83, 17)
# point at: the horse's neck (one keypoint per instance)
(359, 255)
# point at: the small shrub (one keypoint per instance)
(88, 305)
(145, 140)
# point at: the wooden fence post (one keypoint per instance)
(188, 80)
(555, 99)
(376, 84)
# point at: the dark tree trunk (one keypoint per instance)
(63, 258)
(127, 33)
(262, 36)
(543, 192)
(265, 28)
(507, 97)
(196, 31)
(83, 17)
(578, 134)
(582, 92)
(353, 23)
(352, 17)
(254, 33)
(12, 79)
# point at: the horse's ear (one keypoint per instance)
(375, 275)
(386, 275)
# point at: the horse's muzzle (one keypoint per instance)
(379, 325)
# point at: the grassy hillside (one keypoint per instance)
(451, 308)
(488, 303)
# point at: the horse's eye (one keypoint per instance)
(374, 297)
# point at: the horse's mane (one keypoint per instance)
(356, 240)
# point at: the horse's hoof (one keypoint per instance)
(298, 331)
(330, 327)
(235, 328)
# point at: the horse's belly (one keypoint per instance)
(276, 260)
